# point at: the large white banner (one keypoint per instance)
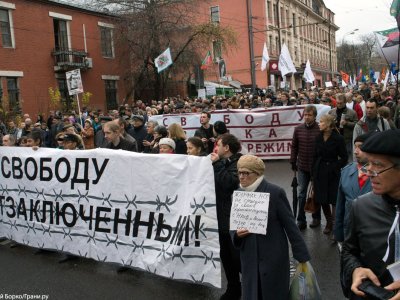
(152, 212)
(266, 133)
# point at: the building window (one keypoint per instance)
(214, 10)
(294, 25)
(275, 7)
(111, 94)
(217, 50)
(107, 46)
(66, 99)
(5, 25)
(271, 45)
(13, 93)
(60, 34)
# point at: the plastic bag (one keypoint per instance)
(304, 285)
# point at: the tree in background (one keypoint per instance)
(148, 27)
(353, 56)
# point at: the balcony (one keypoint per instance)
(66, 60)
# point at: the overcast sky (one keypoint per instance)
(366, 15)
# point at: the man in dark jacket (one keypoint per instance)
(100, 140)
(138, 132)
(346, 118)
(369, 248)
(303, 145)
(114, 138)
(205, 132)
(226, 181)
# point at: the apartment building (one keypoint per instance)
(307, 27)
(42, 40)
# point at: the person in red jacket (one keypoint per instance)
(354, 105)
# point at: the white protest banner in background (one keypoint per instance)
(74, 82)
(250, 211)
(266, 133)
(152, 212)
(211, 90)
(201, 93)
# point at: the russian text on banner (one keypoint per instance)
(152, 212)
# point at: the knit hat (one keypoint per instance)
(252, 163)
(167, 141)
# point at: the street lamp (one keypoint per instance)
(348, 33)
(352, 32)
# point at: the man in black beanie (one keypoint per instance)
(369, 249)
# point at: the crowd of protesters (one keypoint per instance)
(133, 119)
(319, 152)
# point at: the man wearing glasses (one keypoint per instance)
(372, 243)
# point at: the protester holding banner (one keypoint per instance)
(71, 141)
(176, 133)
(34, 139)
(159, 133)
(195, 147)
(205, 132)
(219, 128)
(167, 146)
(148, 141)
(226, 181)
(265, 258)
(115, 141)
(138, 132)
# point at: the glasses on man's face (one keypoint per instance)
(245, 174)
(374, 173)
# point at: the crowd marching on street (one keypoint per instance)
(351, 159)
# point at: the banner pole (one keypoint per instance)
(79, 109)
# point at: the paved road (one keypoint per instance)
(24, 272)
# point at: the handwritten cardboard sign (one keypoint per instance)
(250, 211)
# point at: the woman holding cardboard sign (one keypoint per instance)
(265, 257)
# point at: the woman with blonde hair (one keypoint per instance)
(329, 157)
(175, 132)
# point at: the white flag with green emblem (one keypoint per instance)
(163, 61)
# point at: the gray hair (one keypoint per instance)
(155, 123)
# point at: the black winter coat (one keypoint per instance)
(365, 245)
(330, 157)
(139, 134)
(226, 182)
(180, 146)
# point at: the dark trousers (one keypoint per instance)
(303, 179)
(230, 258)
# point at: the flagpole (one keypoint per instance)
(251, 44)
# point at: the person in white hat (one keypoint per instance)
(167, 146)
